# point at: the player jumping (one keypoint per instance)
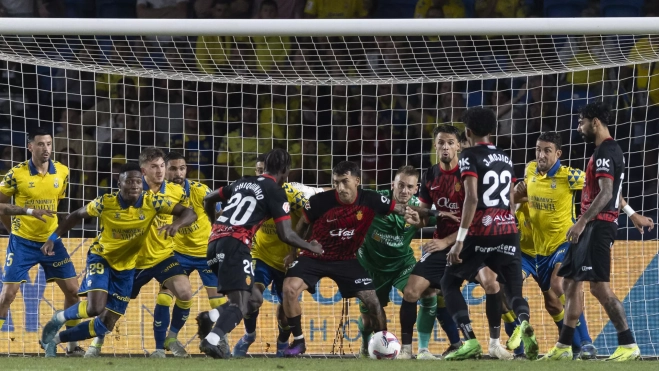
(249, 202)
(593, 235)
(488, 220)
(125, 220)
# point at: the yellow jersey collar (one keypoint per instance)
(186, 187)
(34, 171)
(552, 171)
(145, 186)
(124, 205)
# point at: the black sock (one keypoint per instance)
(284, 333)
(295, 324)
(493, 313)
(567, 334)
(464, 324)
(229, 319)
(407, 320)
(626, 337)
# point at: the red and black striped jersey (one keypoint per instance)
(340, 228)
(249, 202)
(494, 171)
(444, 189)
(607, 161)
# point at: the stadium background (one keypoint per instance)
(101, 120)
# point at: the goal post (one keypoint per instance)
(371, 91)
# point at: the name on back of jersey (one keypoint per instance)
(494, 157)
(254, 187)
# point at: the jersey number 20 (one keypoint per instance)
(244, 207)
(497, 180)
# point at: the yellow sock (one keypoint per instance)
(72, 323)
(508, 317)
(183, 304)
(562, 299)
(217, 301)
(558, 317)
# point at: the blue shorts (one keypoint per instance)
(100, 276)
(162, 271)
(529, 266)
(546, 265)
(265, 274)
(194, 263)
(23, 254)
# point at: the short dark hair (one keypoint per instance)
(150, 154)
(37, 132)
(276, 161)
(407, 170)
(552, 137)
(463, 137)
(446, 129)
(345, 167)
(173, 155)
(260, 158)
(597, 110)
(481, 121)
(129, 166)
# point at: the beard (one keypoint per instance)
(588, 137)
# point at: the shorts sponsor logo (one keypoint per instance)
(219, 258)
(170, 266)
(122, 298)
(365, 281)
(343, 233)
(61, 263)
(586, 269)
(503, 249)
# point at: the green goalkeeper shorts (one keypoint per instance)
(384, 281)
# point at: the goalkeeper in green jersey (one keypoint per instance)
(388, 257)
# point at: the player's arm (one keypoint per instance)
(287, 235)
(440, 244)
(210, 201)
(603, 197)
(468, 212)
(183, 217)
(9, 209)
(519, 194)
(639, 220)
(64, 227)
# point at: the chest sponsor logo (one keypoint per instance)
(447, 204)
(499, 219)
(343, 233)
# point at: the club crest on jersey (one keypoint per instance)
(30, 185)
(56, 183)
(553, 184)
(359, 215)
(142, 217)
(457, 187)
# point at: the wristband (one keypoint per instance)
(628, 210)
(29, 211)
(462, 234)
(53, 237)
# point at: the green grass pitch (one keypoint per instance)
(307, 364)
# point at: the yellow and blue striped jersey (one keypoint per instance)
(193, 240)
(551, 204)
(267, 246)
(160, 247)
(124, 228)
(525, 229)
(35, 191)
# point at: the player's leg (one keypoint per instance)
(493, 311)
(179, 286)
(457, 306)
(227, 317)
(282, 322)
(262, 279)
(382, 290)
(415, 288)
(446, 322)
(303, 274)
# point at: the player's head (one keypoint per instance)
(277, 162)
(177, 168)
(446, 140)
(152, 162)
(594, 119)
(40, 144)
(547, 150)
(479, 122)
(346, 177)
(405, 184)
(260, 165)
(130, 181)
(464, 143)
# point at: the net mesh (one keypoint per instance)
(375, 100)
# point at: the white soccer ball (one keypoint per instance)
(383, 345)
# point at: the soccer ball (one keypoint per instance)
(383, 345)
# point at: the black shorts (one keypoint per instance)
(499, 253)
(349, 275)
(590, 258)
(432, 267)
(231, 261)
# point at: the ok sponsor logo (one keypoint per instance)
(464, 164)
(343, 233)
(603, 164)
(445, 203)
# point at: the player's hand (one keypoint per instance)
(641, 221)
(520, 189)
(316, 247)
(435, 245)
(449, 216)
(40, 213)
(454, 254)
(575, 231)
(47, 248)
(412, 216)
(289, 259)
(169, 229)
